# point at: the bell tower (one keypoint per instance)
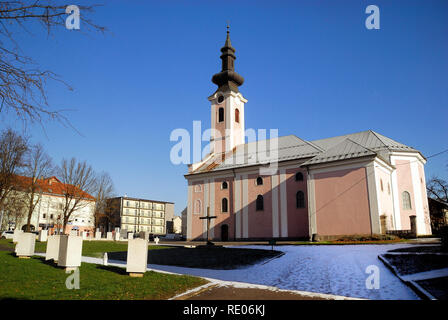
(227, 104)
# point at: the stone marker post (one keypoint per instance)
(137, 260)
(109, 236)
(43, 235)
(97, 235)
(52, 252)
(25, 245)
(70, 252)
(16, 234)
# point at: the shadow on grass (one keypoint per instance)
(50, 263)
(118, 270)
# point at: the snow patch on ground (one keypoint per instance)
(338, 270)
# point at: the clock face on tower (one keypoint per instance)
(220, 99)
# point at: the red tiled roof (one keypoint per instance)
(51, 185)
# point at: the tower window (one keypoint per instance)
(220, 114)
(300, 199)
(259, 181)
(260, 203)
(224, 185)
(406, 197)
(224, 205)
(197, 206)
(220, 99)
(299, 176)
(237, 115)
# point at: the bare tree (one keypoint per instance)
(22, 82)
(14, 209)
(13, 148)
(79, 183)
(38, 166)
(104, 191)
(437, 189)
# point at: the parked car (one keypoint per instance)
(7, 234)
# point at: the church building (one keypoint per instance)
(362, 183)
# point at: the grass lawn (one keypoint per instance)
(36, 279)
(89, 248)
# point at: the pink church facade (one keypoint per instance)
(357, 184)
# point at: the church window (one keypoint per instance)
(220, 99)
(237, 115)
(259, 181)
(224, 185)
(406, 197)
(259, 203)
(220, 114)
(381, 182)
(300, 199)
(224, 205)
(299, 176)
(197, 188)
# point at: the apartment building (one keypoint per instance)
(137, 215)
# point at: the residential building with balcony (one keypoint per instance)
(136, 215)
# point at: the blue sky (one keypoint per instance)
(311, 68)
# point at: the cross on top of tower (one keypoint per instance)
(228, 79)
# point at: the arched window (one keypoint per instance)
(300, 199)
(197, 206)
(406, 197)
(299, 176)
(197, 188)
(388, 188)
(259, 181)
(224, 205)
(237, 115)
(381, 183)
(224, 185)
(221, 114)
(259, 203)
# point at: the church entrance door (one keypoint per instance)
(224, 232)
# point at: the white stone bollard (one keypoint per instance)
(109, 236)
(84, 235)
(156, 240)
(137, 260)
(43, 235)
(53, 248)
(130, 235)
(25, 245)
(117, 236)
(16, 234)
(70, 252)
(97, 235)
(105, 259)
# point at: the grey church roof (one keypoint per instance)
(355, 145)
